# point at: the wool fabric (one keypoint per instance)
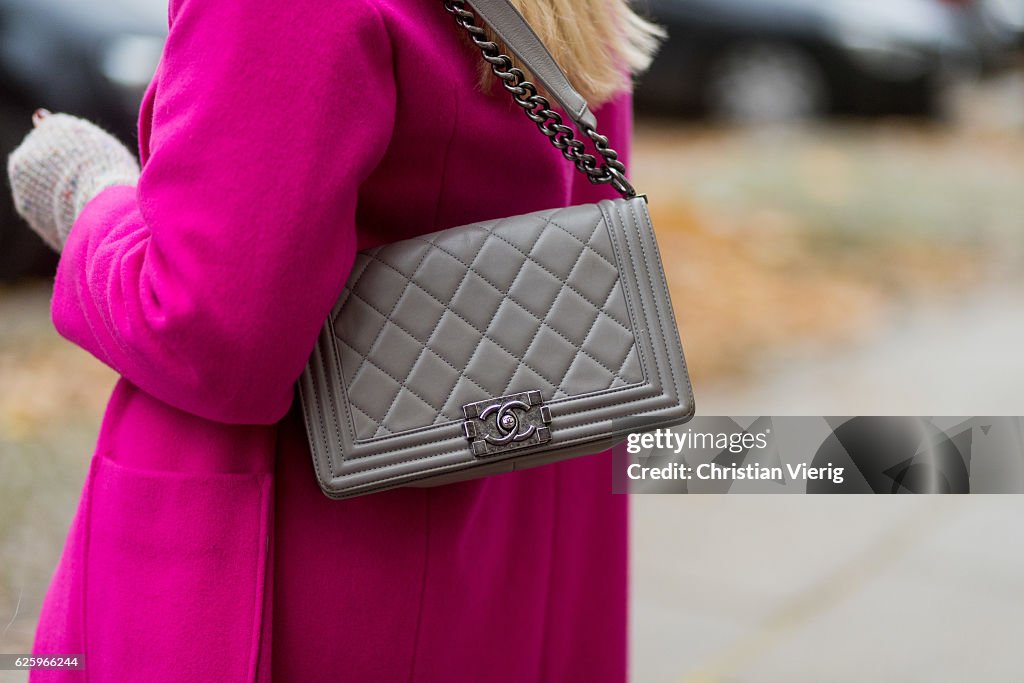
(277, 140)
(61, 165)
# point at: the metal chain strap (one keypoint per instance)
(537, 108)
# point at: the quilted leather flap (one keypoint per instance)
(426, 326)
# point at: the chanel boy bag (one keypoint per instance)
(503, 344)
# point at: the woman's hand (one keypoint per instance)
(60, 167)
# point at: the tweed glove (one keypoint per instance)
(60, 167)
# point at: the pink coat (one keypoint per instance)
(278, 138)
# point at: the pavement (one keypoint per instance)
(947, 358)
(787, 589)
(763, 589)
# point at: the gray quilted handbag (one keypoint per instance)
(503, 344)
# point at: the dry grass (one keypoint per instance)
(743, 294)
(786, 238)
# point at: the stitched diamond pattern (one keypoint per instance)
(428, 325)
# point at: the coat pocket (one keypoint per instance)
(175, 567)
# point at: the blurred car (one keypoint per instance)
(93, 59)
(1007, 18)
(995, 29)
(779, 60)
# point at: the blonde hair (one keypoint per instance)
(600, 44)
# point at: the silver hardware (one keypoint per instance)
(538, 109)
(507, 423)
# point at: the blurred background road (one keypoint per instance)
(838, 189)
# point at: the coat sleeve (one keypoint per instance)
(207, 284)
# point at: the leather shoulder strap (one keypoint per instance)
(519, 37)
